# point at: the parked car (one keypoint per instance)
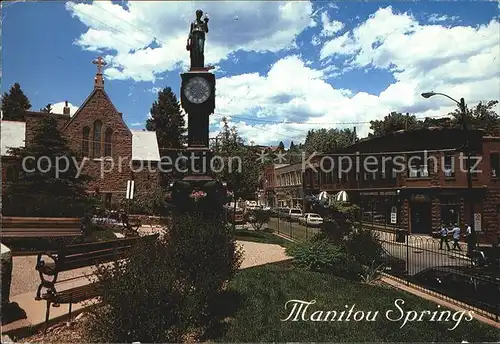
(283, 212)
(235, 215)
(485, 256)
(374, 216)
(310, 220)
(294, 214)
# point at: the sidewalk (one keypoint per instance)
(31, 313)
(423, 242)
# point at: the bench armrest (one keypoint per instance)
(40, 262)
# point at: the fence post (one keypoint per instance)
(407, 258)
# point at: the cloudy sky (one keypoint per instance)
(282, 67)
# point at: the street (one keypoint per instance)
(420, 253)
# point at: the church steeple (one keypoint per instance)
(99, 80)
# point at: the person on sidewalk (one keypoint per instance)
(456, 238)
(444, 237)
(468, 238)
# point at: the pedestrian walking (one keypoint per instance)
(456, 238)
(444, 237)
(468, 238)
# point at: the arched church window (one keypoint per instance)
(85, 141)
(97, 139)
(107, 142)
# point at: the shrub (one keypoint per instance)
(258, 218)
(148, 203)
(141, 300)
(205, 257)
(322, 256)
(364, 246)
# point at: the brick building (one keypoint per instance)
(269, 183)
(97, 130)
(289, 190)
(421, 174)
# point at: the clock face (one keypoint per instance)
(197, 90)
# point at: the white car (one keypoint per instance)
(311, 220)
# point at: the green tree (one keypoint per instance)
(327, 140)
(393, 122)
(48, 187)
(482, 116)
(15, 104)
(47, 108)
(292, 145)
(281, 146)
(241, 169)
(167, 119)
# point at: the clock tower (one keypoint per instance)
(198, 100)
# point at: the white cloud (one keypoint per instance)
(460, 61)
(330, 27)
(59, 106)
(137, 124)
(149, 38)
(437, 18)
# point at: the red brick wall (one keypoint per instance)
(491, 219)
(108, 175)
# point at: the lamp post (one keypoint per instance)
(466, 151)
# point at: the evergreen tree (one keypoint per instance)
(281, 146)
(48, 184)
(47, 108)
(167, 119)
(15, 104)
(292, 145)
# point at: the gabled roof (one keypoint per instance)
(85, 103)
(145, 146)
(12, 135)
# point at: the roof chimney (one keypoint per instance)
(66, 108)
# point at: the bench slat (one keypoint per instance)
(40, 234)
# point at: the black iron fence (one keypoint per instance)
(440, 267)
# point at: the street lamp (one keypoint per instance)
(466, 150)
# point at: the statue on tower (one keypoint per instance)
(196, 40)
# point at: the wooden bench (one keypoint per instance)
(131, 223)
(74, 257)
(41, 227)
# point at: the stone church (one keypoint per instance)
(114, 152)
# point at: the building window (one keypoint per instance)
(12, 174)
(107, 142)
(107, 200)
(449, 166)
(85, 141)
(417, 167)
(97, 139)
(495, 165)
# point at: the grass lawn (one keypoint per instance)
(258, 296)
(260, 236)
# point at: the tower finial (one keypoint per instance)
(99, 80)
(100, 64)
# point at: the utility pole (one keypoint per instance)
(471, 244)
(467, 153)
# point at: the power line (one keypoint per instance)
(322, 123)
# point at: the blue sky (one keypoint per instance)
(282, 68)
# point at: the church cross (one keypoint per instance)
(100, 64)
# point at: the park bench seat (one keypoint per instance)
(41, 227)
(77, 256)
